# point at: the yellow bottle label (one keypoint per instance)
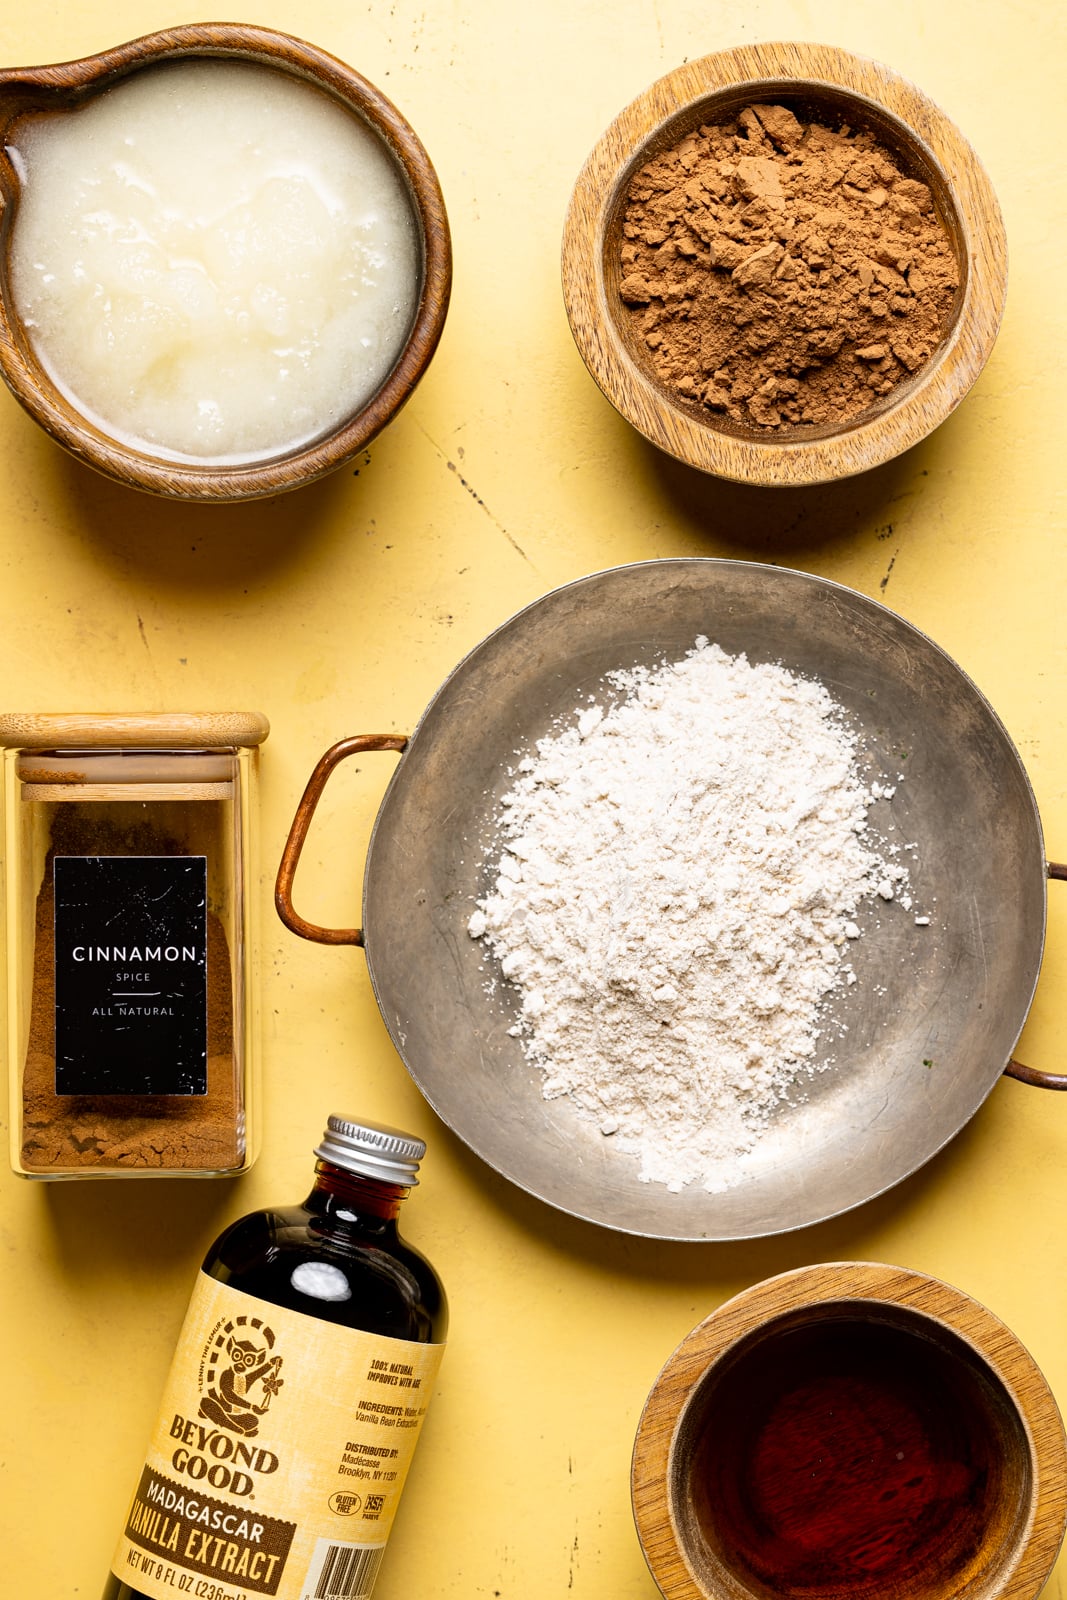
(279, 1456)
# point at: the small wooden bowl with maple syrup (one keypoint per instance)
(830, 88)
(333, 436)
(855, 1429)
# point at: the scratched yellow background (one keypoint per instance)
(340, 609)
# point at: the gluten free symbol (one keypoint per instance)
(345, 1503)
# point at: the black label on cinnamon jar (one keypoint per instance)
(131, 974)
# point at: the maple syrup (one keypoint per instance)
(854, 1457)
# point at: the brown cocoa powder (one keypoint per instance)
(784, 274)
(168, 1132)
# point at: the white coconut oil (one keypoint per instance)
(214, 261)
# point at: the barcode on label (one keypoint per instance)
(342, 1571)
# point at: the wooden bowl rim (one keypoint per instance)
(861, 1282)
(90, 75)
(923, 403)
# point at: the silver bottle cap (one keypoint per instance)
(372, 1150)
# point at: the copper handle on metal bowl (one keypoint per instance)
(1015, 1069)
(283, 888)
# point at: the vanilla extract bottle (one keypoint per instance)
(296, 1396)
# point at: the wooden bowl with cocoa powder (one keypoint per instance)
(783, 264)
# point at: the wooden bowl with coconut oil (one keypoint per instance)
(225, 259)
(832, 89)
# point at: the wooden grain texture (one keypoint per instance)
(1013, 1567)
(165, 730)
(709, 90)
(143, 794)
(70, 84)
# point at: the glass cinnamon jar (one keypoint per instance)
(130, 1030)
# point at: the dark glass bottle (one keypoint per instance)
(337, 1258)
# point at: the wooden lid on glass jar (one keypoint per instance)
(164, 730)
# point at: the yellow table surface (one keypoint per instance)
(339, 609)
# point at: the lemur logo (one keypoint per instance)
(242, 1375)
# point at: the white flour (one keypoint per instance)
(674, 899)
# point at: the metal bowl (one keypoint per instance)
(936, 1010)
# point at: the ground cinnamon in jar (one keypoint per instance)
(131, 1009)
(168, 1132)
(784, 274)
